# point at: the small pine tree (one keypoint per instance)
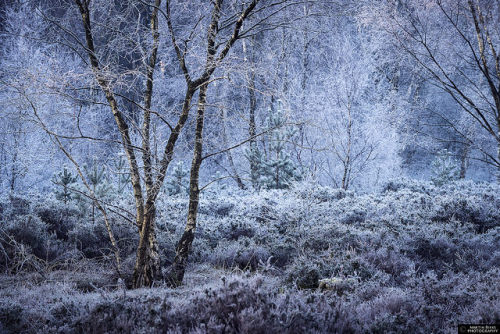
(444, 169)
(99, 183)
(276, 170)
(98, 180)
(64, 179)
(256, 159)
(177, 183)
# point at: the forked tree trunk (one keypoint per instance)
(178, 267)
(147, 266)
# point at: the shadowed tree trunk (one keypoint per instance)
(184, 244)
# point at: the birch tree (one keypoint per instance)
(216, 50)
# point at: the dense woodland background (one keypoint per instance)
(337, 163)
(379, 83)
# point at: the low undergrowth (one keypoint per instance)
(410, 258)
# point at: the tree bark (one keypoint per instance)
(147, 264)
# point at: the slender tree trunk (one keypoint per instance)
(498, 135)
(303, 84)
(184, 245)
(93, 206)
(13, 172)
(3, 160)
(147, 264)
(277, 174)
(252, 128)
(252, 131)
(347, 161)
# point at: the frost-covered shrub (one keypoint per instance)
(11, 319)
(60, 218)
(411, 259)
(391, 262)
(353, 217)
(393, 310)
(18, 205)
(320, 194)
(236, 230)
(454, 296)
(409, 184)
(230, 228)
(479, 252)
(243, 253)
(91, 239)
(126, 236)
(282, 251)
(432, 254)
(257, 304)
(305, 273)
(171, 212)
(30, 231)
(320, 238)
(267, 212)
(481, 211)
(216, 208)
(236, 305)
